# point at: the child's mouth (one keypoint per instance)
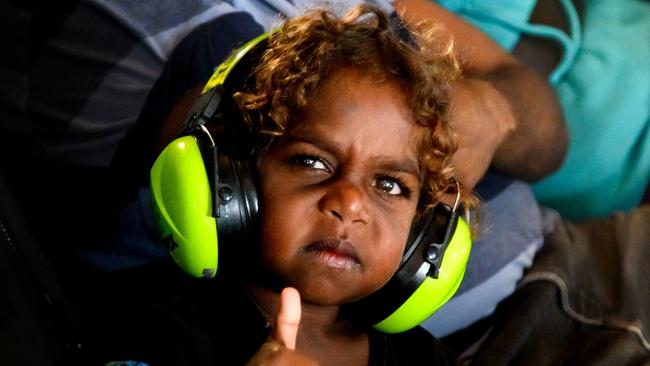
(335, 253)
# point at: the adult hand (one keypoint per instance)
(280, 347)
(481, 118)
(502, 109)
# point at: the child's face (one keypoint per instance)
(339, 191)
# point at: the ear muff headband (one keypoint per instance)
(221, 73)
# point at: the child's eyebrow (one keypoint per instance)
(407, 167)
(387, 163)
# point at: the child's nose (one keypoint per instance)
(346, 201)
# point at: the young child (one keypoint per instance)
(345, 124)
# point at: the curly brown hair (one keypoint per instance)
(307, 49)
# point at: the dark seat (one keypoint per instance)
(39, 325)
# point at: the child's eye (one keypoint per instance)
(391, 186)
(310, 162)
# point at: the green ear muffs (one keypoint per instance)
(182, 206)
(204, 200)
(190, 217)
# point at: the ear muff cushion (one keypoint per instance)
(182, 205)
(433, 292)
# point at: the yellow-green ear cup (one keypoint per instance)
(430, 272)
(182, 205)
(433, 292)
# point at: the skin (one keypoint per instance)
(540, 54)
(339, 191)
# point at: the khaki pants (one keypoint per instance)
(585, 300)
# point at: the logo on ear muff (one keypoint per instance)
(204, 201)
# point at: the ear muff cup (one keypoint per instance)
(181, 201)
(432, 293)
(191, 219)
(430, 273)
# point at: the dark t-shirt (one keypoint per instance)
(414, 347)
(187, 321)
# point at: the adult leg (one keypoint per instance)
(584, 301)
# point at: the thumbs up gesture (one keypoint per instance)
(280, 347)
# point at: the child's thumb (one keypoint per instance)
(288, 319)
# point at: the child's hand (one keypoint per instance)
(288, 319)
(280, 348)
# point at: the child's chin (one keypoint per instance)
(326, 296)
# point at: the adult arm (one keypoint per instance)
(505, 115)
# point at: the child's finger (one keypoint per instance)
(288, 319)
